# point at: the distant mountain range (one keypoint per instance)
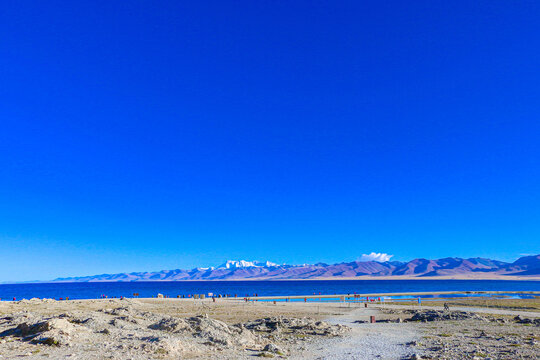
(481, 268)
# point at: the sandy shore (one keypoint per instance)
(231, 329)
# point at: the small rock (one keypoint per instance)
(272, 348)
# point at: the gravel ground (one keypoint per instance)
(476, 335)
(365, 341)
(479, 310)
(476, 340)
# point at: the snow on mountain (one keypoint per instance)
(232, 269)
(234, 264)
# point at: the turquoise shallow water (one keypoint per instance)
(250, 288)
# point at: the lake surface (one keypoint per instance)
(250, 288)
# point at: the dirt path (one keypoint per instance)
(381, 340)
(365, 341)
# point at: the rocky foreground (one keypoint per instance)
(125, 329)
(471, 335)
(228, 329)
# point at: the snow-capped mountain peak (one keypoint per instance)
(234, 264)
(527, 267)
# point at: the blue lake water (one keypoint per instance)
(261, 288)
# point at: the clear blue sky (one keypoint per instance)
(148, 135)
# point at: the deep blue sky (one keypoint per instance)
(149, 135)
